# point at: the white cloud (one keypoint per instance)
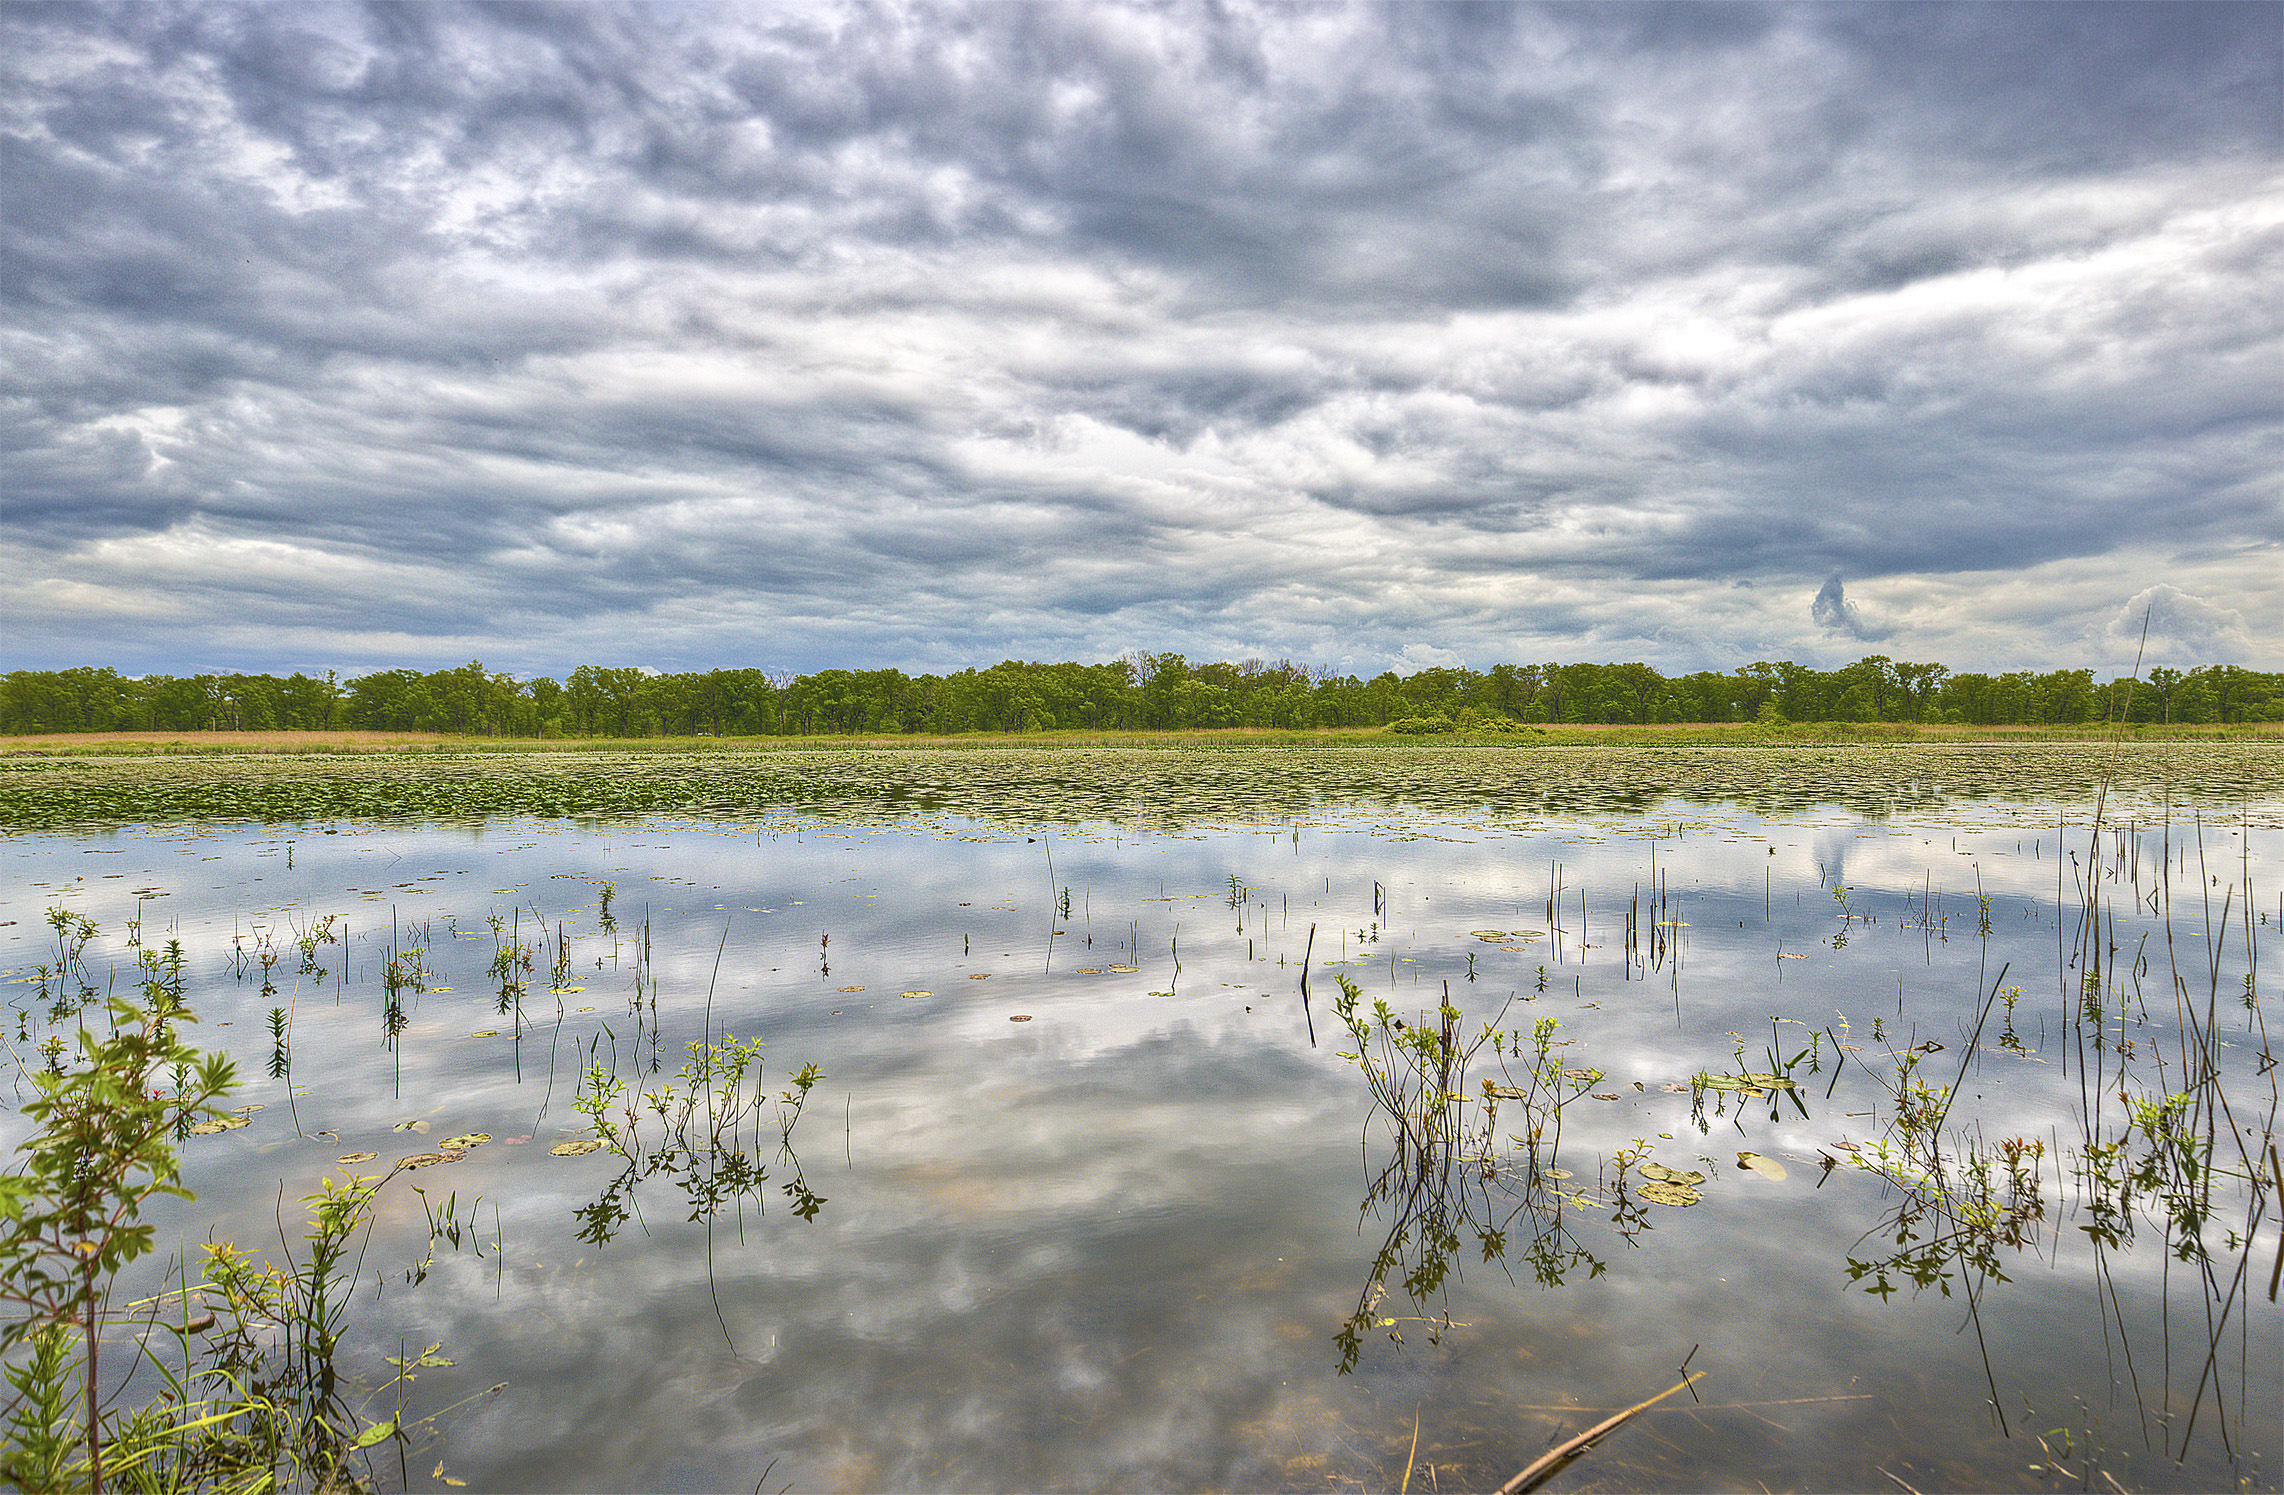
(2168, 625)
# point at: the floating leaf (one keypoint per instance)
(1664, 1174)
(575, 1149)
(1557, 1173)
(1746, 1084)
(375, 1434)
(466, 1140)
(980, 976)
(915, 993)
(1768, 1168)
(1659, 1191)
(1087, 971)
(485, 1033)
(421, 1160)
(410, 1126)
(565, 991)
(1021, 1017)
(250, 1110)
(355, 1157)
(848, 988)
(218, 1124)
(1498, 1091)
(1124, 970)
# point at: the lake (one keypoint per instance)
(1931, 1121)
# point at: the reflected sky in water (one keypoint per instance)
(1109, 1246)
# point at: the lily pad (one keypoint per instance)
(1020, 1017)
(218, 1124)
(1663, 1174)
(1087, 971)
(466, 1140)
(1659, 1191)
(250, 1110)
(410, 1126)
(915, 993)
(355, 1157)
(1123, 970)
(575, 1149)
(1768, 1168)
(421, 1160)
(485, 1033)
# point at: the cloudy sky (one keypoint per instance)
(928, 336)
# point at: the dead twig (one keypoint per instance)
(1563, 1455)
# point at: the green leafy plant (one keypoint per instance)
(704, 1127)
(252, 1401)
(71, 1219)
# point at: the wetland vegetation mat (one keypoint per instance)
(1269, 1119)
(1137, 785)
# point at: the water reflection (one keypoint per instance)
(703, 1128)
(1705, 1064)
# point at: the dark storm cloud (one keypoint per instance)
(936, 334)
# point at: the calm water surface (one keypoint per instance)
(1100, 1189)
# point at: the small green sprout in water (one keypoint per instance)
(281, 1059)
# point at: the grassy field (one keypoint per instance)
(1803, 734)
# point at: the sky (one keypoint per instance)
(800, 336)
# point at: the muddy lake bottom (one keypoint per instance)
(1092, 1185)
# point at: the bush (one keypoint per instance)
(1421, 726)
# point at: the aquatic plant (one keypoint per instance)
(238, 1406)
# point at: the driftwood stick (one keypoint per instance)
(1563, 1455)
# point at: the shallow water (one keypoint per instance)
(1111, 1245)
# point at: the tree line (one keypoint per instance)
(1136, 691)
